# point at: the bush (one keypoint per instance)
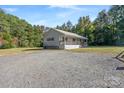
(7, 45)
(24, 43)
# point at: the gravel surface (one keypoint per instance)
(59, 68)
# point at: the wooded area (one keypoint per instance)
(16, 32)
(106, 29)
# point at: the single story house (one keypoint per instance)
(55, 38)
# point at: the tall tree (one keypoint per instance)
(38, 38)
(13, 27)
(117, 14)
(102, 32)
(85, 28)
(66, 26)
(69, 26)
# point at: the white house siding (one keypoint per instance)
(55, 42)
(62, 40)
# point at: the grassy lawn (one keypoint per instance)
(12, 51)
(111, 49)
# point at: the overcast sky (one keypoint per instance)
(52, 15)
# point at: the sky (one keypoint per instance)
(52, 15)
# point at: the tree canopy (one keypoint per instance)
(17, 32)
(106, 29)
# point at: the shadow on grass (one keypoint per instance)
(37, 49)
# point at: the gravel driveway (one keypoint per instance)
(59, 68)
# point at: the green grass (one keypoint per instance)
(104, 49)
(13, 51)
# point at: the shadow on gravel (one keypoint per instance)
(33, 49)
(37, 49)
(120, 68)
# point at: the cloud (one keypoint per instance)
(10, 9)
(73, 7)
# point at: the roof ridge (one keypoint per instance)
(69, 33)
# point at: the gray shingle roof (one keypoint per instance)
(65, 33)
(70, 34)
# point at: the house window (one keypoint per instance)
(73, 39)
(80, 40)
(50, 39)
(63, 39)
(66, 39)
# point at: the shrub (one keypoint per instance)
(7, 44)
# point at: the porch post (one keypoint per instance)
(64, 40)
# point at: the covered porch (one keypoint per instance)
(69, 42)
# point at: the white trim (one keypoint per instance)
(72, 46)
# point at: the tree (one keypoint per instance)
(14, 27)
(7, 40)
(58, 27)
(85, 28)
(38, 38)
(106, 29)
(117, 15)
(103, 29)
(73, 29)
(69, 26)
(1, 11)
(65, 26)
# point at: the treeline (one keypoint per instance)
(106, 29)
(15, 32)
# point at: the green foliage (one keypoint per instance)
(13, 27)
(106, 29)
(102, 32)
(66, 26)
(1, 11)
(7, 40)
(117, 16)
(7, 44)
(69, 26)
(85, 28)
